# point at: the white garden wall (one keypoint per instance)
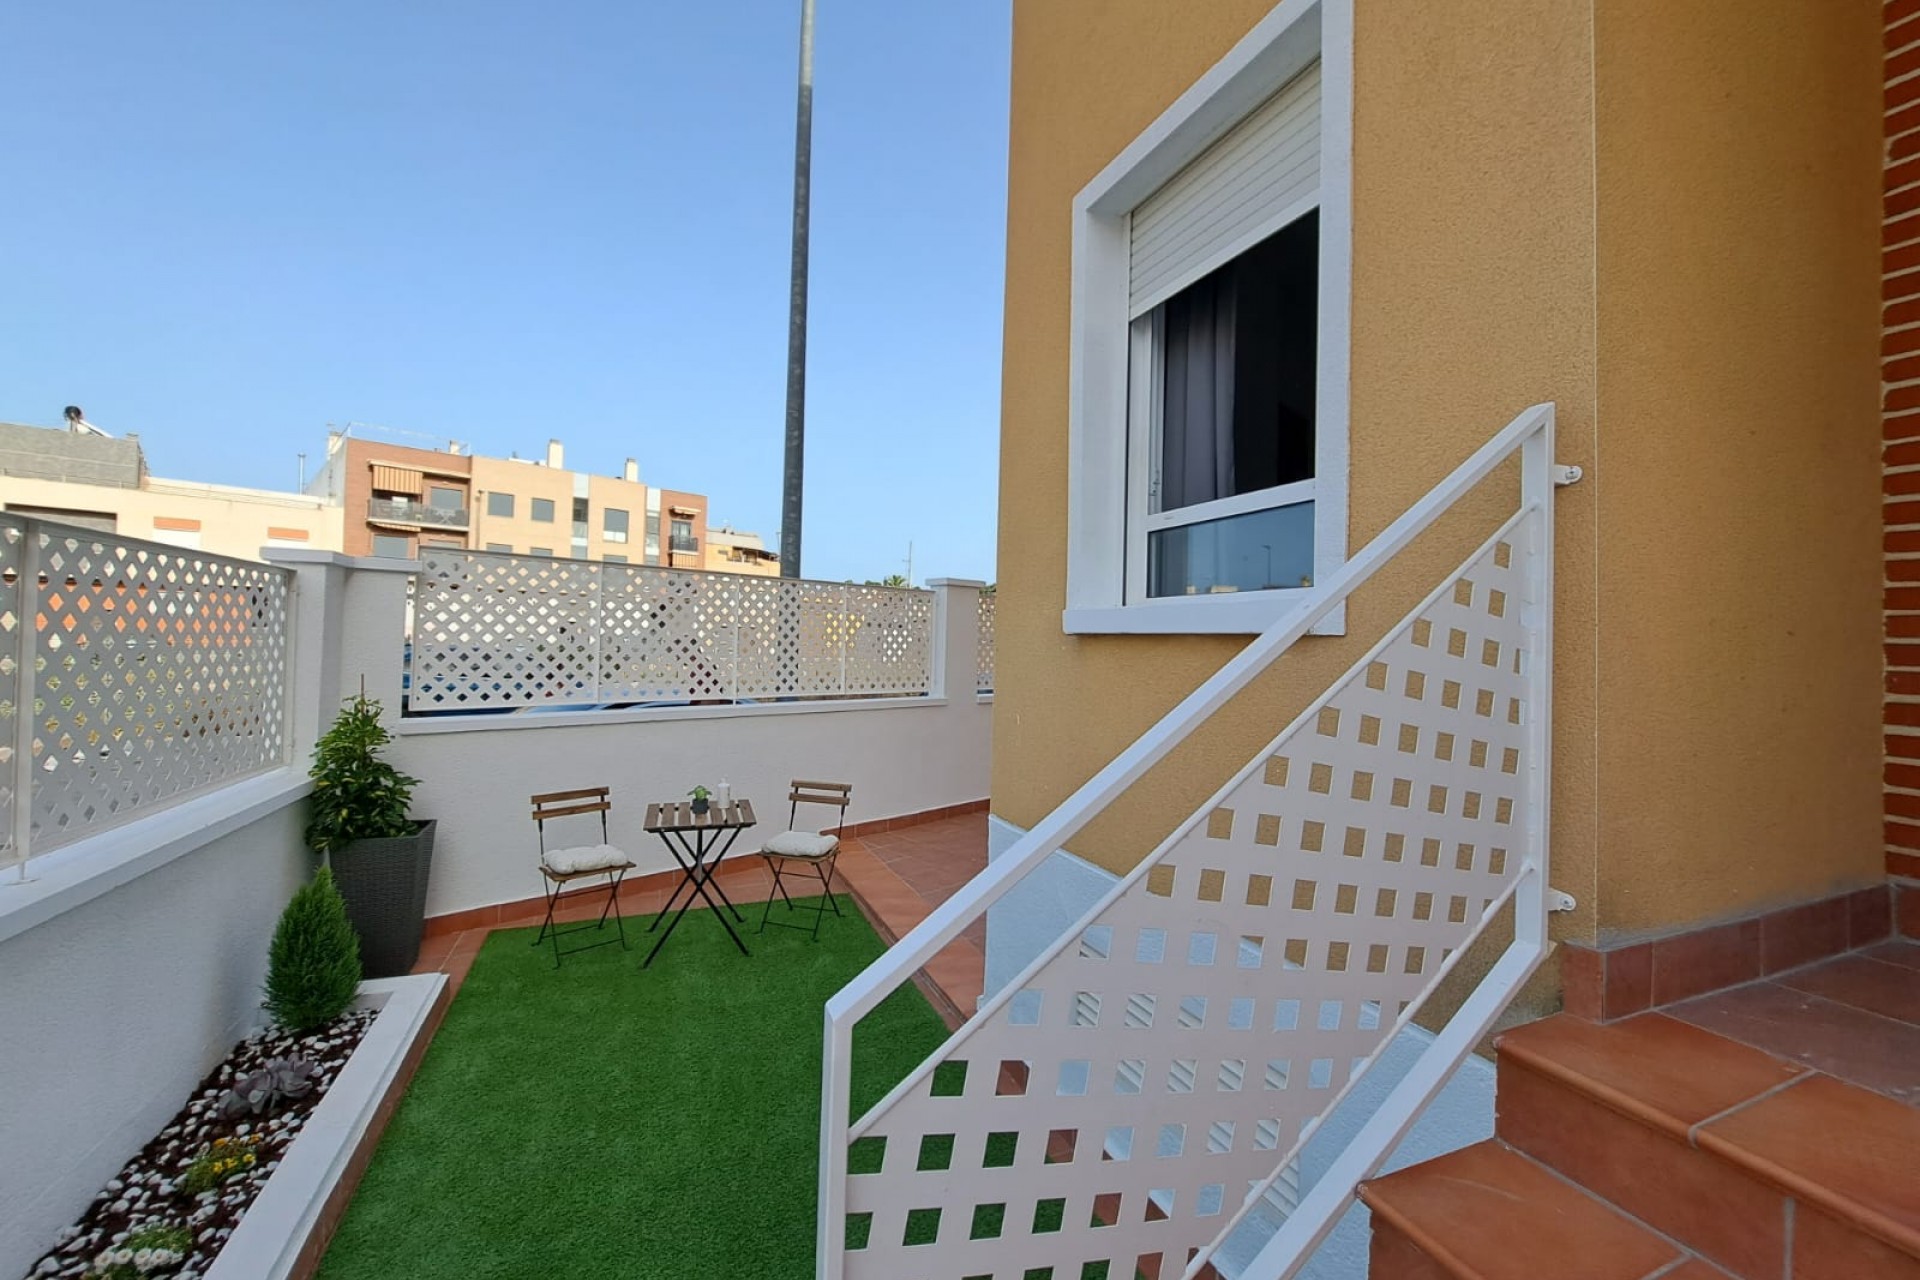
(901, 755)
(128, 968)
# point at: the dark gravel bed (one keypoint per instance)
(148, 1192)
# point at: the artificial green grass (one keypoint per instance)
(600, 1120)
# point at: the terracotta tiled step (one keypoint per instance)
(1487, 1212)
(1738, 1155)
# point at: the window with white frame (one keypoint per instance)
(1211, 269)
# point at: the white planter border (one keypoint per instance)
(270, 1238)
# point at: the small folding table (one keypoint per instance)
(698, 841)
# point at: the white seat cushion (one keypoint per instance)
(802, 844)
(585, 857)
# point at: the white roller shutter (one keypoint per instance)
(1229, 198)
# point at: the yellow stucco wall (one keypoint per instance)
(1739, 588)
(1479, 235)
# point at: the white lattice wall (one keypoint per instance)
(512, 631)
(1118, 1104)
(984, 681)
(156, 672)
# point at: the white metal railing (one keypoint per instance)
(501, 631)
(1149, 1078)
(134, 674)
(983, 675)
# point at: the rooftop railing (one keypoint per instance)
(132, 675)
(500, 631)
(394, 511)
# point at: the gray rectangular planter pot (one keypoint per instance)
(384, 883)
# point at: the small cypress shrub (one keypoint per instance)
(313, 967)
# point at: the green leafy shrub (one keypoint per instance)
(356, 794)
(313, 966)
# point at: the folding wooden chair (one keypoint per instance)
(563, 868)
(792, 849)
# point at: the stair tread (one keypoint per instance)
(1774, 1122)
(1664, 1072)
(1845, 1149)
(1486, 1212)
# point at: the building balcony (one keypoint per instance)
(679, 544)
(397, 511)
(189, 779)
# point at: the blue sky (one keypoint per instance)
(228, 224)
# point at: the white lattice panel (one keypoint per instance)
(889, 640)
(510, 631)
(984, 662)
(158, 672)
(1120, 1105)
(12, 544)
(503, 631)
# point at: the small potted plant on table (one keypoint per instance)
(701, 797)
(379, 854)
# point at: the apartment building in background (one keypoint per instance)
(396, 499)
(374, 497)
(101, 482)
(728, 550)
(400, 500)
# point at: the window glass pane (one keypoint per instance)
(614, 524)
(1253, 552)
(502, 548)
(499, 504)
(543, 510)
(446, 499)
(1237, 351)
(540, 551)
(615, 559)
(393, 545)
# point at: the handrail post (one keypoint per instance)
(1536, 491)
(26, 642)
(835, 1116)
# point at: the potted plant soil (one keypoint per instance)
(379, 854)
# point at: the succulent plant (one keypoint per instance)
(258, 1092)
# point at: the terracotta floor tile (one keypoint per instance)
(1864, 1048)
(1901, 953)
(1667, 1073)
(1694, 1269)
(1826, 1249)
(1890, 990)
(434, 951)
(1391, 1256)
(1848, 1151)
(457, 968)
(1490, 1213)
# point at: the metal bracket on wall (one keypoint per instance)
(1565, 475)
(1558, 901)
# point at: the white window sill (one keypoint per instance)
(1244, 614)
(82, 871)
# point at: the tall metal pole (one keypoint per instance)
(797, 307)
